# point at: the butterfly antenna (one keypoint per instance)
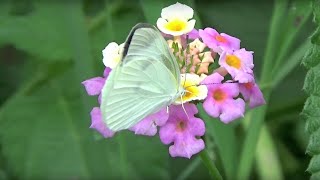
(209, 84)
(183, 107)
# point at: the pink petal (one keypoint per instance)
(98, 124)
(186, 146)
(232, 109)
(194, 34)
(148, 126)
(211, 107)
(166, 132)
(94, 85)
(214, 78)
(106, 72)
(232, 89)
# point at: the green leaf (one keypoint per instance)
(311, 56)
(312, 114)
(44, 136)
(312, 85)
(311, 109)
(224, 137)
(40, 32)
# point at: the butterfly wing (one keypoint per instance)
(146, 80)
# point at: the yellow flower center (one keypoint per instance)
(181, 126)
(220, 38)
(219, 95)
(191, 91)
(176, 25)
(233, 61)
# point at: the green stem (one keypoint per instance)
(268, 162)
(255, 125)
(279, 10)
(123, 156)
(287, 44)
(207, 161)
(251, 139)
(294, 60)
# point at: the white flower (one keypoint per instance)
(176, 20)
(112, 54)
(193, 91)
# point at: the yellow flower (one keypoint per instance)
(193, 91)
(112, 54)
(176, 20)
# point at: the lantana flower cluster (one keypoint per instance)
(215, 71)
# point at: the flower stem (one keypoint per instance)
(207, 161)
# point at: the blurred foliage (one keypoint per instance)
(48, 47)
(311, 108)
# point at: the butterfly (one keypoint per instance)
(146, 79)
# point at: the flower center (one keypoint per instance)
(181, 126)
(190, 92)
(248, 85)
(220, 38)
(219, 95)
(176, 25)
(233, 61)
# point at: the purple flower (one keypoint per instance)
(194, 34)
(98, 124)
(252, 93)
(182, 130)
(220, 101)
(94, 85)
(148, 126)
(239, 64)
(219, 42)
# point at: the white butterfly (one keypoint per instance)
(146, 80)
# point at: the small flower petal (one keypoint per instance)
(112, 54)
(219, 42)
(193, 89)
(177, 10)
(182, 130)
(175, 20)
(94, 85)
(106, 72)
(252, 93)
(232, 109)
(98, 124)
(239, 64)
(148, 126)
(220, 101)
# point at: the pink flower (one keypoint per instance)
(252, 93)
(94, 85)
(219, 42)
(98, 124)
(148, 126)
(220, 101)
(239, 64)
(194, 34)
(182, 130)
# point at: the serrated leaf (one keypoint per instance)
(314, 143)
(312, 56)
(314, 165)
(40, 32)
(316, 11)
(311, 111)
(312, 83)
